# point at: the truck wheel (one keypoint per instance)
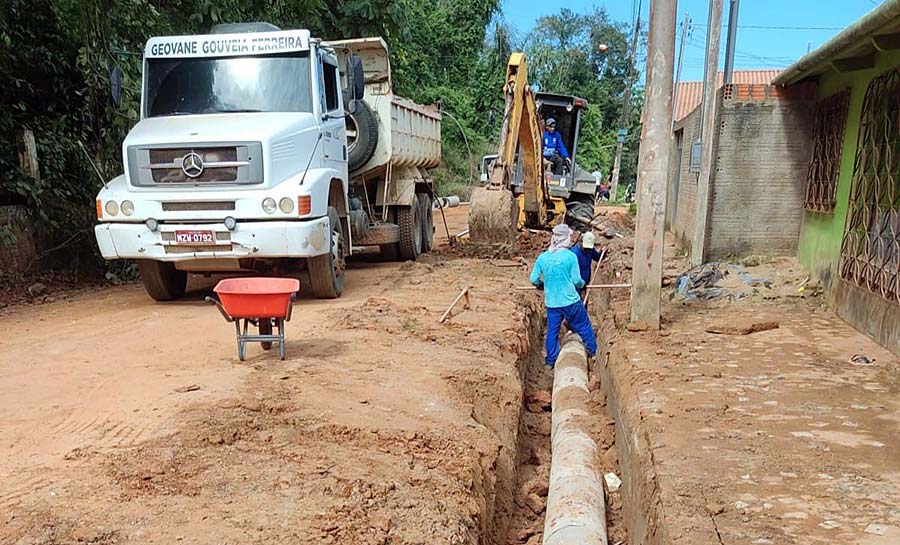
(580, 211)
(362, 135)
(427, 215)
(410, 221)
(326, 272)
(162, 281)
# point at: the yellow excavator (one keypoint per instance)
(496, 213)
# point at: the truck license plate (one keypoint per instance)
(195, 237)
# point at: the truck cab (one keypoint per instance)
(239, 161)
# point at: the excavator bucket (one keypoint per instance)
(493, 215)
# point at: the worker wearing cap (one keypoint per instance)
(556, 273)
(554, 149)
(586, 253)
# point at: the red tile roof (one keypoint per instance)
(690, 93)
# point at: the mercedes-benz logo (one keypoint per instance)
(192, 164)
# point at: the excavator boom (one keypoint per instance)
(495, 214)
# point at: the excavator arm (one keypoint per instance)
(495, 213)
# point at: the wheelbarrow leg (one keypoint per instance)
(282, 351)
(240, 341)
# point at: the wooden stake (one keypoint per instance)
(463, 293)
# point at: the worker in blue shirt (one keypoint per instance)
(587, 253)
(554, 149)
(556, 273)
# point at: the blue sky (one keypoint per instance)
(799, 22)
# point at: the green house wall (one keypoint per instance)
(819, 249)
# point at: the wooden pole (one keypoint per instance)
(589, 286)
(587, 291)
(653, 166)
(28, 158)
(708, 132)
(463, 293)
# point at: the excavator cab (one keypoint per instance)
(574, 184)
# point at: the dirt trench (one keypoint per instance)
(382, 426)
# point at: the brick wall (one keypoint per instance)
(682, 199)
(758, 184)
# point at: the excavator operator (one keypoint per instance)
(554, 149)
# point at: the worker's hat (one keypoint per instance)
(551, 122)
(588, 240)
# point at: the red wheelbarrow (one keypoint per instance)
(262, 302)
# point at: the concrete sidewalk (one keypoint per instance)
(774, 437)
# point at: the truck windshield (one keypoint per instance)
(272, 83)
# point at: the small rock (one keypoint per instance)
(613, 482)
(637, 326)
(37, 289)
(188, 388)
(536, 486)
(538, 402)
(876, 529)
(85, 535)
(523, 534)
(535, 503)
(741, 328)
(715, 508)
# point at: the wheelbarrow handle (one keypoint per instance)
(219, 306)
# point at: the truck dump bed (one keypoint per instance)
(409, 134)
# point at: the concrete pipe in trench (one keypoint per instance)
(576, 506)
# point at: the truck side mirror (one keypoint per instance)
(115, 85)
(356, 78)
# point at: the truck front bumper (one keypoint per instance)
(264, 239)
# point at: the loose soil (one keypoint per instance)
(753, 434)
(128, 421)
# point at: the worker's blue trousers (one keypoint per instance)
(579, 321)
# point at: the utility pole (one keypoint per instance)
(626, 106)
(684, 31)
(732, 38)
(707, 131)
(653, 166)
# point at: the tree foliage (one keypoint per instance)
(565, 56)
(56, 56)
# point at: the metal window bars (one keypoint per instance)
(870, 252)
(825, 161)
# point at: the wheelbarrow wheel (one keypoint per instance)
(265, 328)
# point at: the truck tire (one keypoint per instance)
(427, 215)
(580, 211)
(362, 135)
(161, 280)
(326, 272)
(410, 221)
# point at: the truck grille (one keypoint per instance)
(209, 164)
(198, 164)
(210, 206)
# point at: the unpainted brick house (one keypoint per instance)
(809, 164)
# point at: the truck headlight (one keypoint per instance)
(286, 204)
(230, 223)
(127, 208)
(152, 224)
(268, 205)
(112, 208)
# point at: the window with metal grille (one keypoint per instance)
(870, 253)
(825, 162)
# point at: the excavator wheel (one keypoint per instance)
(493, 214)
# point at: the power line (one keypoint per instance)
(766, 27)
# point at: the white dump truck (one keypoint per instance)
(267, 150)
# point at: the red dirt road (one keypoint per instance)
(382, 426)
